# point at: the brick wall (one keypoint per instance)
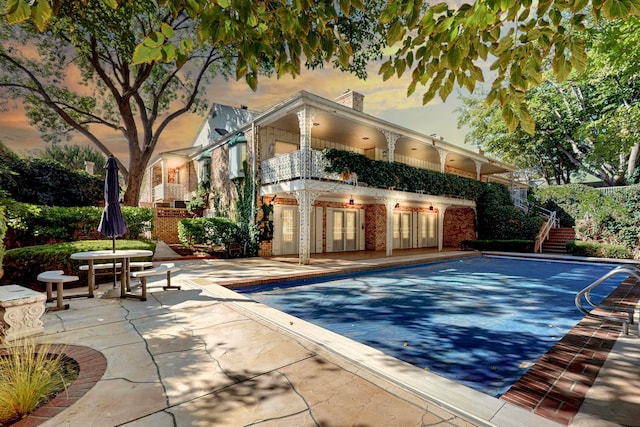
(458, 226)
(375, 220)
(166, 223)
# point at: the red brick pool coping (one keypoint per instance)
(92, 365)
(557, 384)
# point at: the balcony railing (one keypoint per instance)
(289, 166)
(170, 192)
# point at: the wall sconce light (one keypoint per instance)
(430, 207)
(397, 205)
(384, 153)
(351, 202)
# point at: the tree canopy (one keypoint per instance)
(441, 46)
(586, 124)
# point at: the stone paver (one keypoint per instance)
(202, 358)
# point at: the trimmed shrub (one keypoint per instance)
(599, 250)
(22, 265)
(499, 245)
(30, 225)
(209, 232)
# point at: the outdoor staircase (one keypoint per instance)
(558, 237)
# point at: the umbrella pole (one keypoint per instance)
(113, 246)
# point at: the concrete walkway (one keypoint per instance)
(206, 356)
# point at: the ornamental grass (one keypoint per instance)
(30, 375)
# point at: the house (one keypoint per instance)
(318, 212)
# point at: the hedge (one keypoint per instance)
(600, 250)
(209, 232)
(22, 265)
(30, 225)
(499, 245)
(47, 182)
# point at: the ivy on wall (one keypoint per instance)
(398, 176)
(497, 217)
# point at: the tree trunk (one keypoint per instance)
(633, 160)
(137, 168)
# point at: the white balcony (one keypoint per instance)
(170, 192)
(290, 166)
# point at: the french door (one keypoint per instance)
(401, 230)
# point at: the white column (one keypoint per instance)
(390, 205)
(443, 158)
(478, 168)
(165, 180)
(305, 122)
(441, 209)
(305, 206)
(391, 138)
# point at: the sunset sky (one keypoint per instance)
(386, 100)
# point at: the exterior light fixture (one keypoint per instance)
(351, 202)
(397, 205)
(430, 207)
(384, 153)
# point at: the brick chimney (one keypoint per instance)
(351, 99)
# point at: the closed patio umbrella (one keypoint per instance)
(112, 223)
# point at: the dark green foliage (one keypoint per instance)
(498, 219)
(46, 182)
(383, 174)
(199, 202)
(265, 226)
(30, 225)
(74, 156)
(210, 232)
(600, 250)
(612, 218)
(248, 232)
(3, 230)
(22, 265)
(499, 245)
(566, 220)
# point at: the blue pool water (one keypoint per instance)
(480, 321)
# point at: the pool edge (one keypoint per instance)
(461, 400)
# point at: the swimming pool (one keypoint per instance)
(480, 321)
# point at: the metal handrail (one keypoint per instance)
(630, 270)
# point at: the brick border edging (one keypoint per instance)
(92, 365)
(556, 385)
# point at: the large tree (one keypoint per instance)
(588, 123)
(135, 85)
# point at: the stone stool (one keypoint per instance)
(59, 278)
